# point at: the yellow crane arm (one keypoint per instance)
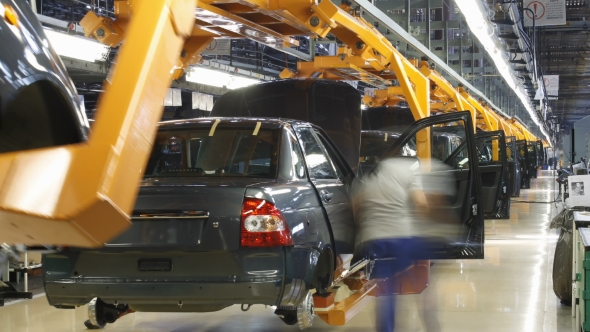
(452, 95)
(81, 195)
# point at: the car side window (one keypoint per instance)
(297, 157)
(318, 163)
(409, 149)
(340, 170)
(489, 150)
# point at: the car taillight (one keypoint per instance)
(263, 225)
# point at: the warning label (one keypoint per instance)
(544, 12)
(218, 47)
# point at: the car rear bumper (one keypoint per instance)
(175, 296)
(198, 281)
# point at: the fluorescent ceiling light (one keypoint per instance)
(218, 78)
(240, 82)
(77, 47)
(478, 19)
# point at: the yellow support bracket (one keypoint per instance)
(490, 123)
(388, 97)
(376, 52)
(519, 134)
(453, 95)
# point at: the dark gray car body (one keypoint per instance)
(39, 106)
(210, 270)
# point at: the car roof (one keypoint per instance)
(371, 133)
(236, 121)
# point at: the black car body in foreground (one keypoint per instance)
(39, 105)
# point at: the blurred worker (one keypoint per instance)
(392, 215)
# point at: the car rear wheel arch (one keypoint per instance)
(38, 116)
(324, 271)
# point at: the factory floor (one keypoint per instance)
(509, 290)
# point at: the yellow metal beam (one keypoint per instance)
(479, 107)
(388, 97)
(517, 130)
(452, 95)
(81, 195)
(367, 44)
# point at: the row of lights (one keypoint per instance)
(88, 50)
(478, 21)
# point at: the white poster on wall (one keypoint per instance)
(218, 47)
(173, 98)
(551, 86)
(202, 101)
(577, 185)
(544, 12)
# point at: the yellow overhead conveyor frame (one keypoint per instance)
(81, 195)
(448, 94)
(444, 97)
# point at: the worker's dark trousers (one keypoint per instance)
(391, 256)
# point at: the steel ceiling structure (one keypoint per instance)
(440, 27)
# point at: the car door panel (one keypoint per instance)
(543, 161)
(534, 158)
(522, 148)
(330, 188)
(493, 169)
(466, 201)
(513, 173)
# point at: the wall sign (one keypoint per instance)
(544, 12)
(551, 86)
(173, 98)
(578, 184)
(218, 47)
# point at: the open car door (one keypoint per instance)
(541, 156)
(514, 174)
(493, 169)
(534, 158)
(454, 170)
(525, 181)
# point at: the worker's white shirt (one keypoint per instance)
(383, 208)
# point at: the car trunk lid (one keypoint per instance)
(186, 214)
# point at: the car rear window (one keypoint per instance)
(222, 152)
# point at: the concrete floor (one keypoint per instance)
(509, 290)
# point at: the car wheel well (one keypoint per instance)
(38, 116)
(324, 271)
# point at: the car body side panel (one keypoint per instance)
(338, 208)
